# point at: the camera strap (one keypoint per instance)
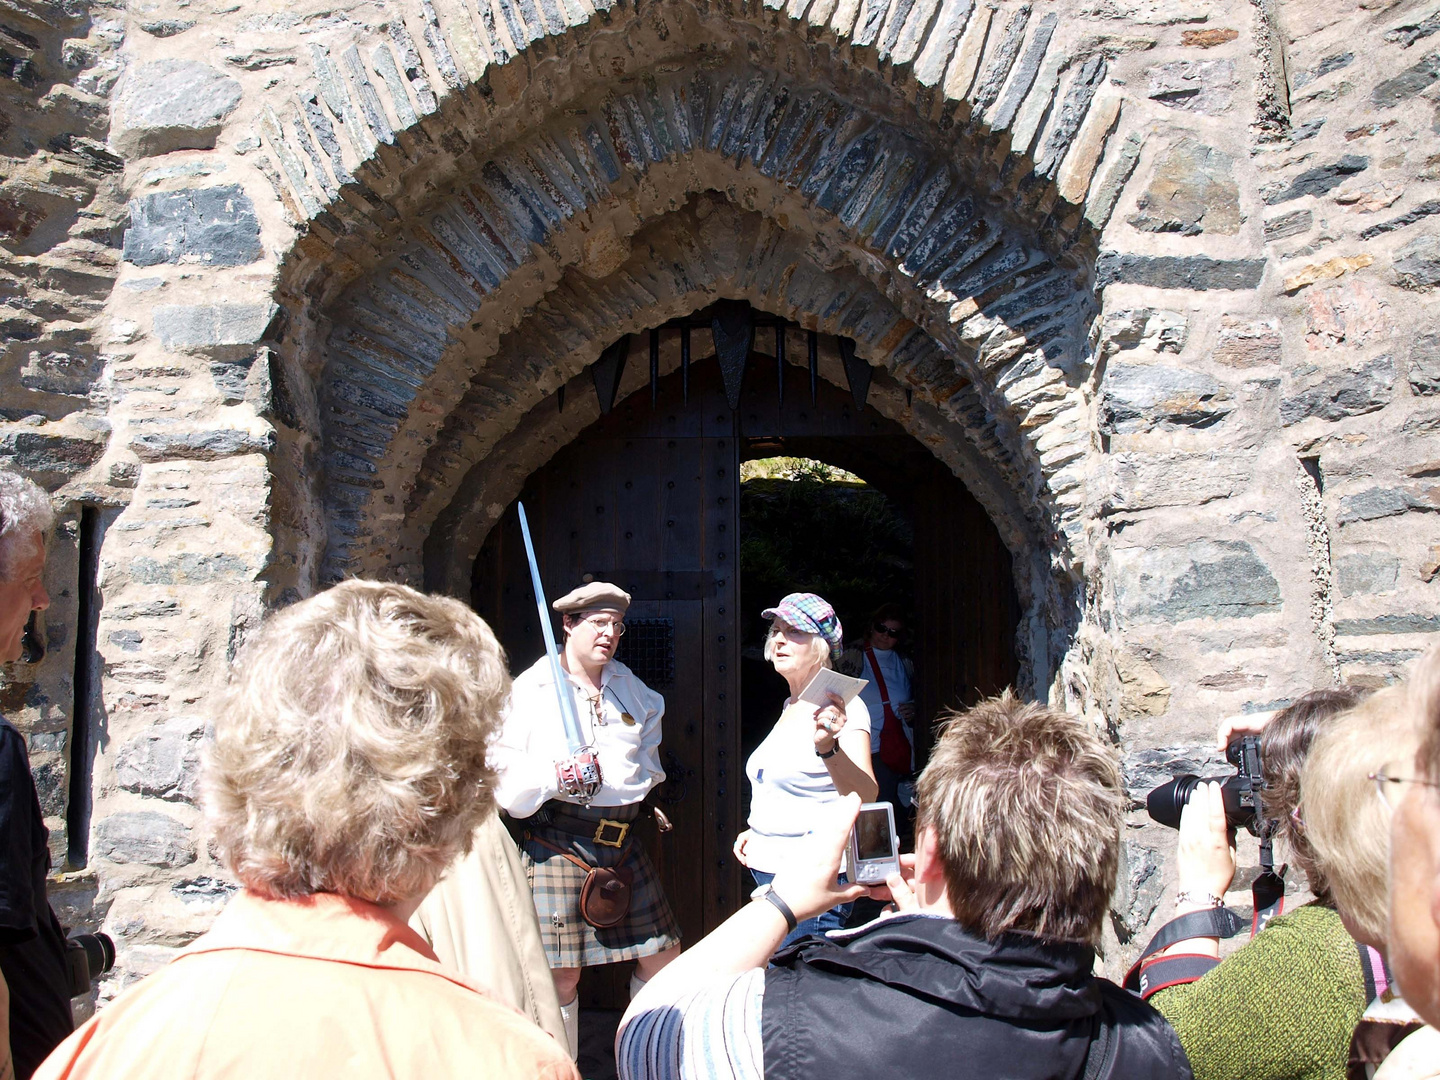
(1152, 973)
(1268, 891)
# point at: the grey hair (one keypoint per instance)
(24, 510)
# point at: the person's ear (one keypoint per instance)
(927, 857)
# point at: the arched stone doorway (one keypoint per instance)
(647, 495)
(743, 162)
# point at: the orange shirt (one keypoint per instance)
(325, 986)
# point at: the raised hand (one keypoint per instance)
(829, 720)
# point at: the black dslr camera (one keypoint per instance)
(88, 956)
(1241, 792)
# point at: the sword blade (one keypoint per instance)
(573, 735)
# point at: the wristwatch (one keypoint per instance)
(834, 749)
(767, 892)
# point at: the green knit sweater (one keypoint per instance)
(1282, 1008)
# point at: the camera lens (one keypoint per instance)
(99, 952)
(1167, 801)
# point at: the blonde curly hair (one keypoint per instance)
(350, 746)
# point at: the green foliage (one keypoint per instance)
(843, 540)
(795, 468)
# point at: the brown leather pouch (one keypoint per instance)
(605, 895)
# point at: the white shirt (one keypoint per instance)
(892, 666)
(532, 738)
(790, 783)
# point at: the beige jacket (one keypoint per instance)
(480, 920)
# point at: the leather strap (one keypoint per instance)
(1146, 975)
(781, 906)
(581, 863)
(879, 679)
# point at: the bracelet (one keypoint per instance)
(769, 893)
(1200, 899)
(834, 749)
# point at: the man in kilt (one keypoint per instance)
(565, 835)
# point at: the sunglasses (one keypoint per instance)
(881, 628)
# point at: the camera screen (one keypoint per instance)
(872, 835)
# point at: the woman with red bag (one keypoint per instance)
(888, 695)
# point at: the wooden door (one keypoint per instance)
(648, 498)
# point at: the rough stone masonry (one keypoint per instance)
(279, 282)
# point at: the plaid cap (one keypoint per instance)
(810, 613)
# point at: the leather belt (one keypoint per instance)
(606, 832)
(622, 829)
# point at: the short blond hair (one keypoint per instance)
(819, 647)
(1346, 823)
(1026, 803)
(351, 744)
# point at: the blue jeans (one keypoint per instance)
(833, 919)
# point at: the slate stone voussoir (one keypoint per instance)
(215, 226)
(170, 105)
(1214, 579)
(145, 837)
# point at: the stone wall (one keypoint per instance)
(1152, 276)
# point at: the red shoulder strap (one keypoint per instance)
(879, 677)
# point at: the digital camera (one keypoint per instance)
(1241, 792)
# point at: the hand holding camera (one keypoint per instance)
(1206, 856)
(811, 883)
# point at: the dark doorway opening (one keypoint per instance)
(810, 526)
(649, 497)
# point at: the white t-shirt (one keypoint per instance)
(790, 783)
(892, 666)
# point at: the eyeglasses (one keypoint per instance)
(1386, 785)
(606, 626)
(881, 628)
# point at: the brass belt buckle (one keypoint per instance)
(606, 823)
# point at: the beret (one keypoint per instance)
(596, 596)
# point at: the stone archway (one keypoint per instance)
(937, 239)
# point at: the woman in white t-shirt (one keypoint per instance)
(812, 756)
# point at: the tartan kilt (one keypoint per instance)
(649, 927)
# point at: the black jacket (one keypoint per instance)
(915, 997)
